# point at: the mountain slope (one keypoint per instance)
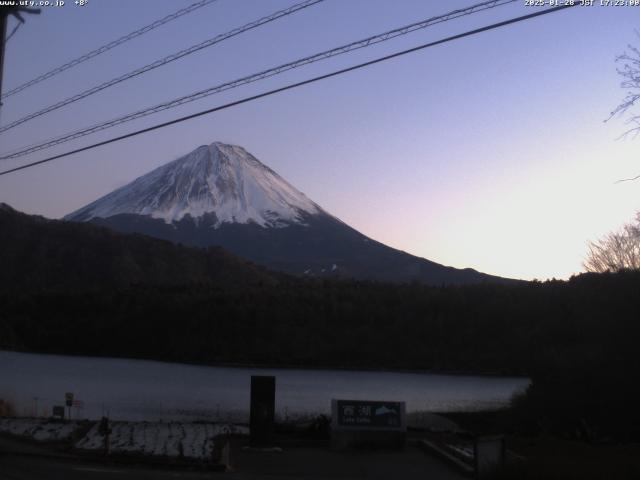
(53, 255)
(222, 195)
(219, 179)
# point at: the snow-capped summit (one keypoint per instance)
(219, 179)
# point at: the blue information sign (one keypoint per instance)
(361, 413)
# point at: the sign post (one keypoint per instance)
(58, 411)
(79, 406)
(364, 423)
(105, 430)
(68, 400)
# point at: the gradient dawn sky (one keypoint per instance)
(488, 152)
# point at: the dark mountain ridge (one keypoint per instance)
(322, 246)
(52, 255)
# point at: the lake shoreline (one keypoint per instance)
(133, 389)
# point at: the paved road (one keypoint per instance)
(27, 463)
(319, 464)
(18, 467)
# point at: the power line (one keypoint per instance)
(163, 61)
(109, 46)
(294, 85)
(383, 37)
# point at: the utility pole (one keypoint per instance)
(4, 18)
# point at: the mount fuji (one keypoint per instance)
(222, 195)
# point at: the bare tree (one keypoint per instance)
(616, 251)
(629, 70)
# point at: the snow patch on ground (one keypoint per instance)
(164, 439)
(167, 439)
(42, 430)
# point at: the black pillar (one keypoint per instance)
(263, 402)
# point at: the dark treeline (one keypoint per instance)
(39, 254)
(578, 340)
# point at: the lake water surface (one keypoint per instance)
(150, 390)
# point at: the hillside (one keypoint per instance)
(39, 254)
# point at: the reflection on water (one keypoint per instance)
(148, 390)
